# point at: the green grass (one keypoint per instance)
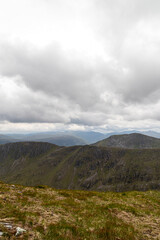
(46, 213)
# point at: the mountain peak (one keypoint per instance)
(132, 140)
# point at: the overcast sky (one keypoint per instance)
(79, 64)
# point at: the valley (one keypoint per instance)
(88, 167)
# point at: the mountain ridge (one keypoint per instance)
(86, 167)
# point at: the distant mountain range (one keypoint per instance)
(6, 139)
(89, 167)
(133, 141)
(58, 139)
(67, 138)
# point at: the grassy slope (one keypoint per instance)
(49, 214)
(134, 140)
(80, 167)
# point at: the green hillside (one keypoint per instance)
(46, 213)
(132, 141)
(80, 167)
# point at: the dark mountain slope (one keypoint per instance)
(134, 140)
(80, 167)
(27, 149)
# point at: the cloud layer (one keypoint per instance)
(87, 64)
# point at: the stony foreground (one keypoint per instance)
(45, 213)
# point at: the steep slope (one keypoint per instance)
(134, 140)
(80, 167)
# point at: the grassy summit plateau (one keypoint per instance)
(46, 213)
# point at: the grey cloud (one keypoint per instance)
(68, 90)
(50, 71)
(134, 30)
(21, 104)
(63, 86)
(142, 80)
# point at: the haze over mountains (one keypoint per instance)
(66, 138)
(89, 167)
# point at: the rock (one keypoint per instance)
(20, 231)
(8, 226)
